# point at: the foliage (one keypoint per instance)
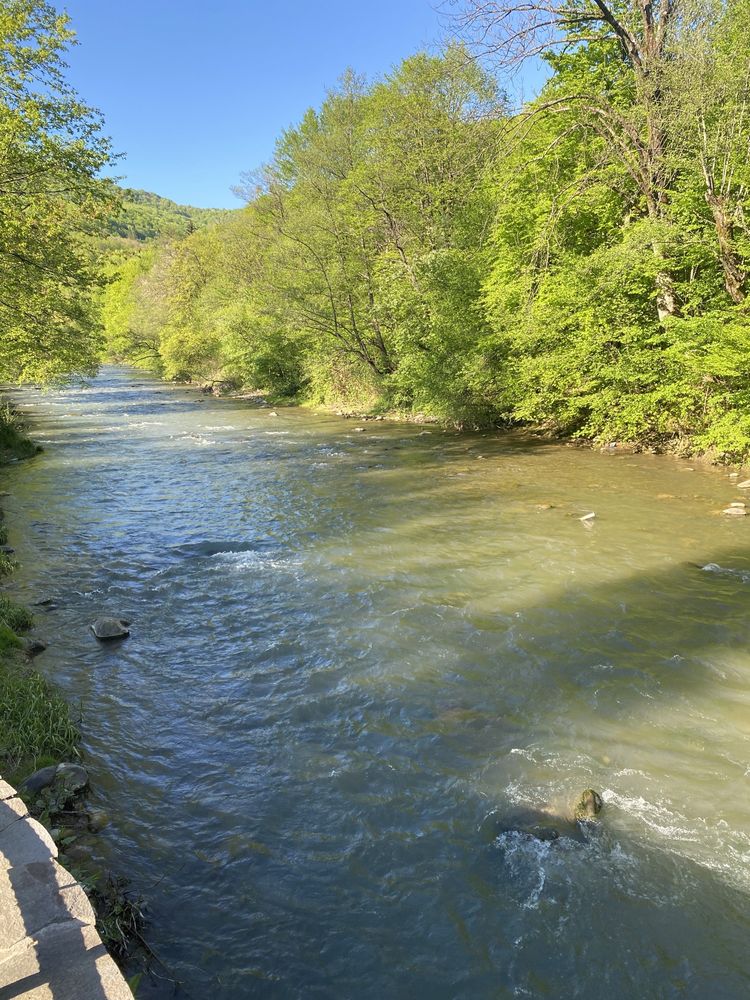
(13, 441)
(51, 152)
(143, 216)
(34, 720)
(578, 264)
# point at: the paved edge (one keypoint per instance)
(49, 946)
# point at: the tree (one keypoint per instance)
(709, 90)
(628, 111)
(51, 153)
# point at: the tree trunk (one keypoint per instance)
(734, 274)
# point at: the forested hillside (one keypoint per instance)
(144, 216)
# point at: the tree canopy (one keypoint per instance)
(51, 153)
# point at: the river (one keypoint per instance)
(349, 648)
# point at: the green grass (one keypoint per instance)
(14, 443)
(35, 723)
(7, 565)
(15, 616)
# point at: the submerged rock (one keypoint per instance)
(538, 824)
(734, 512)
(97, 819)
(110, 628)
(32, 647)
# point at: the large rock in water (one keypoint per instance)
(110, 628)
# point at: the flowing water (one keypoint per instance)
(352, 651)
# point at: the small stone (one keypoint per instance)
(735, 512)
(358, 430)
(43, 602)
(40, 779)
(587, 518)
(734, 475)
(744, 485)
(737, 503)
(7, 550)
(110, 628)
(273, 413)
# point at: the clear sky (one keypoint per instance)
(194, 92)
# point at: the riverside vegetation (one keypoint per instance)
(418, 244)
(38, 734)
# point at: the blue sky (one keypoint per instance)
(195, 92)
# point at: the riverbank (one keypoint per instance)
(676, 447)
(40, 755)
(36, 724)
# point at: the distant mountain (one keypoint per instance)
(145, 216)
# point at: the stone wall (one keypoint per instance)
(49, 947)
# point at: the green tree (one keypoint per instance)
(51, 153)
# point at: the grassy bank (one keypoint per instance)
(35, 723)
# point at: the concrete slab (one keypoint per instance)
(35, 896)
(49, 946)
(24, 842)
(6, 791)
(62, 962)
(11, 810)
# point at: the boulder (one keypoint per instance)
(40, 779)
(110, 628)
(71, 777)
(588, 806)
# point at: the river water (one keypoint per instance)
(349, 649)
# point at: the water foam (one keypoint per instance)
(739, 574)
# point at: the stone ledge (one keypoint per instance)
(49, 947)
